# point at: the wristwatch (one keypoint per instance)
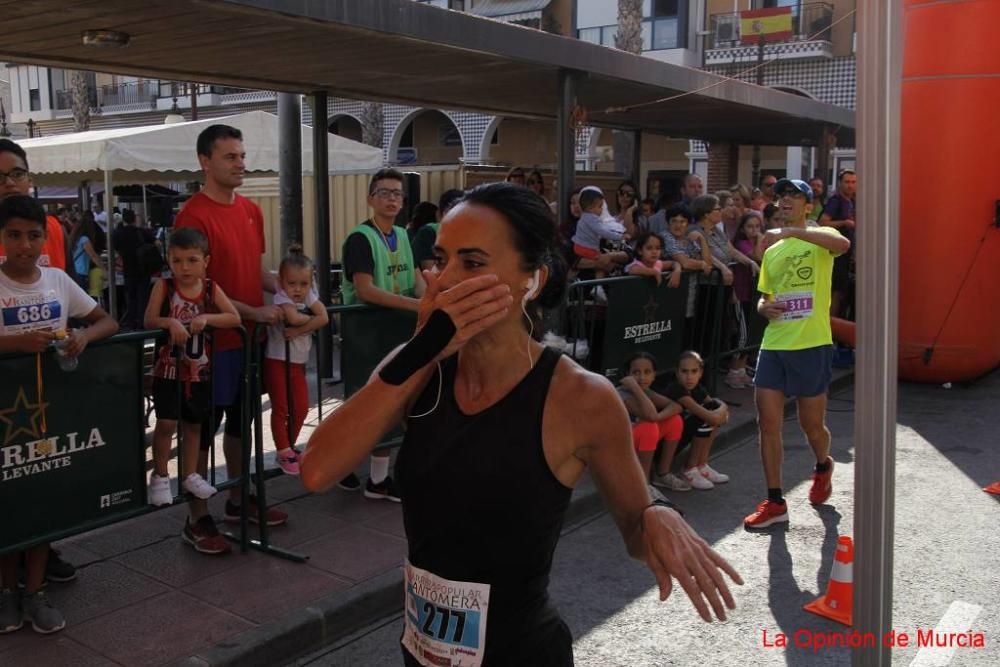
(663, 502)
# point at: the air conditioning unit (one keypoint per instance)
(727, 31)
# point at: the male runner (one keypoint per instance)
(796, 354)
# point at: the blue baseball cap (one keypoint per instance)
(785, 184)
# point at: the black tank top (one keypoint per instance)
(480, 504)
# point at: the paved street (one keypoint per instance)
(945, 552)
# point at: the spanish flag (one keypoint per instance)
(774, 23)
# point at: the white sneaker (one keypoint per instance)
(158, 493)
(738, 380)
(713, 476)
(697, 480)
(672, 482)
(196, 485)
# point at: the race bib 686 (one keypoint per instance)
(32, 315)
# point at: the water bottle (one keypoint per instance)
(66, 362)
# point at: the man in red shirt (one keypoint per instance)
(16, 180)
(234, 227)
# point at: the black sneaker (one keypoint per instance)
(350, 483)
(384, 490)
(58, 570)
(204, 536)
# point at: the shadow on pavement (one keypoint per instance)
(784, 596)
(953, 421)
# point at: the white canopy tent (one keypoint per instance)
(163, 153)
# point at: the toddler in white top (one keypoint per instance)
(285, 365)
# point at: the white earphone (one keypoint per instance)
(531, 286)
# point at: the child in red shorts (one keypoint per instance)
(655, 419)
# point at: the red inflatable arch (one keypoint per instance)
(949, 248)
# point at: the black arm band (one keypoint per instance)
(421, 349)
(663, 502)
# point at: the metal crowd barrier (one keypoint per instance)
(638, 314)
(255, 370)
(74, 452)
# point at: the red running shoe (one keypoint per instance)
(274, 517)
(768, 512)
(822, 484)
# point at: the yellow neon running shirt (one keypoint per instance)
(799, 274)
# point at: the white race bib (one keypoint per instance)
(445, 620)
(31, 313)
(798, 305)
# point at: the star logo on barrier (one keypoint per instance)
(22, 417)
(650, 309)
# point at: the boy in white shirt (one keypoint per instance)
(35, 306)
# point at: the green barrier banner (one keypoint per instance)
(75, 458)
(644, 316)
(367, 337)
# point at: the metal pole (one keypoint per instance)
(879, 76)
(290, 168)
(637, 166)
(112, 283)
(193, 87)
(321, 182)
(145, 208)
(566, 143)
(755, 157)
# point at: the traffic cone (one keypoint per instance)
(993, 488)
(838, 602)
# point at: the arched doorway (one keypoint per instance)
(346, 126)
(426, 136)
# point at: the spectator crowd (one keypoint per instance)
(208, 273)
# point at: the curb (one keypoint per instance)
(341, 614)
(304, 630)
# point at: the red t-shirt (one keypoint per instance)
(53, 252)
(235, 242)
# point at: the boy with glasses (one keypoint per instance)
(16, 180)
(379, 269)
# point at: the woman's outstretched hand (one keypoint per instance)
(675, 551)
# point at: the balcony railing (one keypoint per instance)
(809, 22)
(131, 95)
(169, 89)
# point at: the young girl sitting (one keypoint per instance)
(304, 313)
(648, 249)
(655, 419)
(703, 415)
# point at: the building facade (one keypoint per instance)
(809, 52)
